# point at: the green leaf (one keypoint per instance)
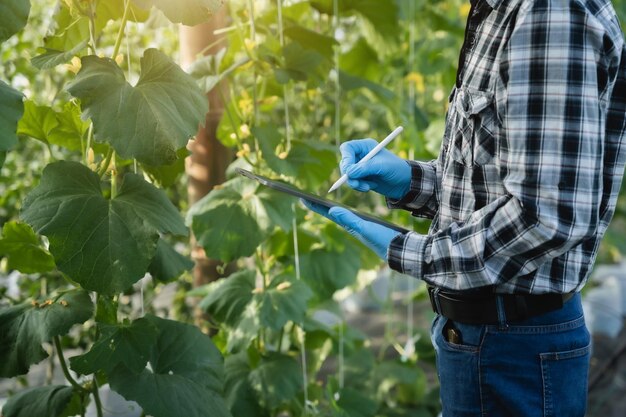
(53, 57)
(69, 129)
(230, 222)
(37, 121)
(25, 327)
(63, 128)
(327, 271)
(23, 249)
(49, 401)
(207, 69)
(11, 110)
(66, 31)
(299, 63)
(187, 12)
(227, 233)
(285, 299)
(185, 377)
(405, 380)
(382, 14)
(310, 39)
(149, 121)
(247, 330)
(356, 404)
(240, 396)
(167, 175)
(13, 17)
(228, 297)
(103, 244)
(77, 405)
(276, 380)
(106, 309)
(167, 263)
(228, 125)
(362, 61)
(114, 10)
(350, 82)
(126, 344)
(308, 161)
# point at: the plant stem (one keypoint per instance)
(113, 178)
(280, 339)
(88, 144)
(234, 126)
(279, 4)
(82, 405)
(337, 133)
(120, 34)
(105, 163)
(92, 27)
(66, 371)
(96, 396)
(255, 103)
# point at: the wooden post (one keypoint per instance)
(209, 159)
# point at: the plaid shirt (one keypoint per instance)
(532, 158)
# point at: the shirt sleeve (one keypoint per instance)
(550, 151)
(421, 199)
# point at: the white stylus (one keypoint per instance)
(369, 156)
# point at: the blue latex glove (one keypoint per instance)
(373, 235)
(385, 173)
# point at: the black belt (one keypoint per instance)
(481, 307)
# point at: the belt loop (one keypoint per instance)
(435, 299)
(502, 325)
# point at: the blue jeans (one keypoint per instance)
(534, 368)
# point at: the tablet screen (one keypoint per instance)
(292, 190)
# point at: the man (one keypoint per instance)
(522, 192)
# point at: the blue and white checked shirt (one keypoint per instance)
(532, 159)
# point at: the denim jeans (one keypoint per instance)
(533, 368)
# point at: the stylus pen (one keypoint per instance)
(369, 156)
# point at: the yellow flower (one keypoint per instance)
(464, 10)
(119, 59)
(244, 151)
(418, 80)
(74, 66)
(246, 106)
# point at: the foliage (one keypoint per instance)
(92, 144)
(295, 79)
(95, 222)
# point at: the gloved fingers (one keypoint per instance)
(362, 185)
(353, 151)
(346, 219)
(317, 208)
(370, 168)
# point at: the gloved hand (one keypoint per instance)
(373, 235)
(385, 173)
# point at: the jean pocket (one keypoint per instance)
(565, 382)
(460, 337)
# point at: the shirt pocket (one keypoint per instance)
(472, 142)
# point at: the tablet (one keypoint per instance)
(290, 189)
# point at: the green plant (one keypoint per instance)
(106, 225)
(292, 92)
